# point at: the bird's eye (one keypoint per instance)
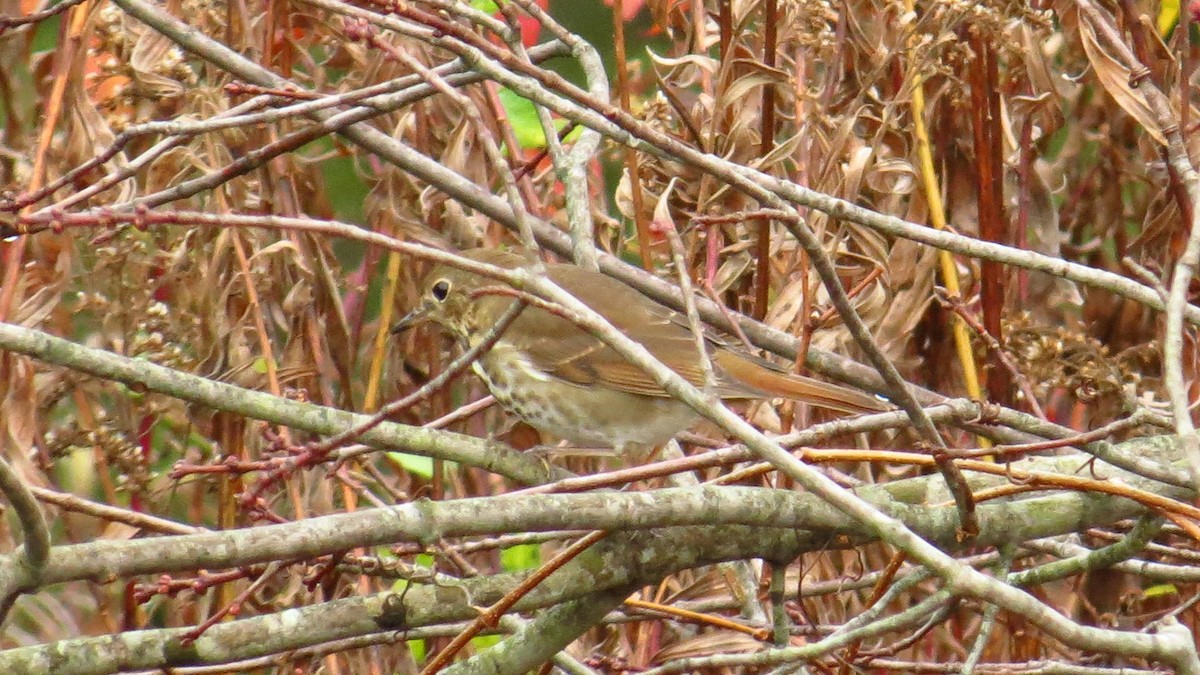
(440, 290)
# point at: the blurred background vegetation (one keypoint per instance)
(1039, 139)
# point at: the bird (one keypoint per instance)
(565, 381)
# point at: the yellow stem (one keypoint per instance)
(937, 215)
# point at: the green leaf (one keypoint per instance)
(421, 466)
(45, 36)
(345, 188)
(485, 641)
(417, 647)
(1168, 16)
(523, 118)
(485, 6)
(521, 557)
(1159, 590)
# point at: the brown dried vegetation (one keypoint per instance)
(303, 315)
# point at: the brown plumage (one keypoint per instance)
(564, 380)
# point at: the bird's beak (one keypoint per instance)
(417, 315)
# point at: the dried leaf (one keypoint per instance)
(1114, 77)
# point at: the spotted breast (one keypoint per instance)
(598, 418)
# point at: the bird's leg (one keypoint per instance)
(636, 453)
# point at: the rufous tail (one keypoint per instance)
(767, 380)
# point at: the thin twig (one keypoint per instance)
(491, 615)
(955, 305)
(26, 564)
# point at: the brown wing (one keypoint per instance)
(570, 353)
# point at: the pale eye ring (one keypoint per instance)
(440, 290)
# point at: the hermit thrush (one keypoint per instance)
(563, 380)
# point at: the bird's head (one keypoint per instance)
(456, 299)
